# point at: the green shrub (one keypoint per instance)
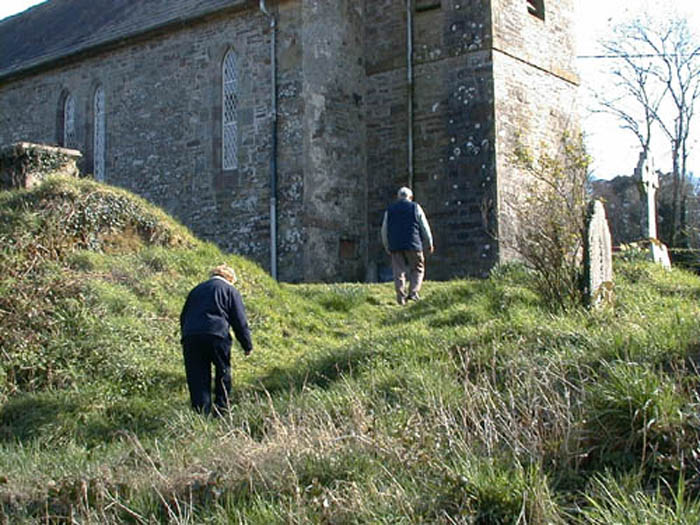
(498, 492)
(551, 215)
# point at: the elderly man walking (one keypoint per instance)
(405, 232)
(211, 308)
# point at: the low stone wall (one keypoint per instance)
(24, 164)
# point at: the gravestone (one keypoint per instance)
(650, 183)
(24, 164)
(598, 257)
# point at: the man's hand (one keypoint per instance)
(248, 352)
(432, 249)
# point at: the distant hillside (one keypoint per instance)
(478, 404)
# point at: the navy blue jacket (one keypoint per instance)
(211, 307)
(403, 226)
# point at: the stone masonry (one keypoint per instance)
(484, 73)
(24, 165)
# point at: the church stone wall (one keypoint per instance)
(535, 100)
(321, 141)
(291, 230)
(342, 127)
(453, 129)
(29, 109)
(163, 118)
(334, 140)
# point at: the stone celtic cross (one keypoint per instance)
(650, 181)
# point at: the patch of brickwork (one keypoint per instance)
(335, 141)
(536, 96)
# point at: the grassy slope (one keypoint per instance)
(477, 403)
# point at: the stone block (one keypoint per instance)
(24, 164)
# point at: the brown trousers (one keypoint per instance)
(407, 263)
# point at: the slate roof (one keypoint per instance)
(58, 29)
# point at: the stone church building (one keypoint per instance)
(281, 129)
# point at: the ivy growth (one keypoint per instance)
(19, 160)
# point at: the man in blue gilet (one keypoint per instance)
(405, 232)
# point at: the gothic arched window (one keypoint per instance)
(69, 137)
(99, 134)
(229, 109)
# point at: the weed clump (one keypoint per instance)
(551, 217)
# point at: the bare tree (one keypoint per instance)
(657, 76)
(636, 99)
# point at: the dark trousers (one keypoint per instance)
(201, 352)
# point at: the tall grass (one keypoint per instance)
(476, 405)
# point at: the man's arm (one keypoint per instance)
(183, 311)
(239, 323)
(385, 232)
(425, 228)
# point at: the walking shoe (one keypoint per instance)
(414, 297)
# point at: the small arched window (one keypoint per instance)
(99, 134)
(229, 108)
(69, 136)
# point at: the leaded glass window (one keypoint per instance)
(69, 138)
(99, 134)
(230, 112)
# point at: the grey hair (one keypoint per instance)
(226, 272)
(405, 193)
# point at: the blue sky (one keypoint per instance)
(615, 151)
(10, 7)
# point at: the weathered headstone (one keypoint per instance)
(23, 164)
(598, 257)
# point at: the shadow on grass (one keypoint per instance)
(468, 303)
(321, 371)
(26, 417)
(89, 417)
(433, 302)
